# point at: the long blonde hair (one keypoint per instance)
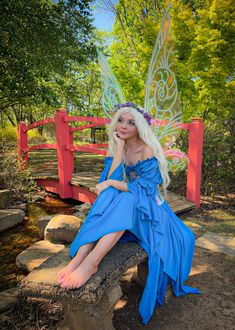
(146, 135)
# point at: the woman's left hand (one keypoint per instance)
(102, 186)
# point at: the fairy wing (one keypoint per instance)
(162, 100)
(161, 97)
(177, 160)
(112, 92)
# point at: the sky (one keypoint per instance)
(103, 19)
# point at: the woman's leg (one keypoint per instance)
(89, 266)
(75, 262)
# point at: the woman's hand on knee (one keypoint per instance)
(102, 186)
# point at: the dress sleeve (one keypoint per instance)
(148, 180)
(145, 187)
(117, 174)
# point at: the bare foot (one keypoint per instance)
(80, 275)
(74, 263)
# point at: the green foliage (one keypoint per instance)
(40, 40)
(204, 42)
(135, 31)
(218, 160)
(8, 135)
(13, 179)
(36, 137)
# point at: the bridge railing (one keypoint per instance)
(65, 149)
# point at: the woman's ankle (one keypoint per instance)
(83, 253)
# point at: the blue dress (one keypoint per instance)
(148, 220)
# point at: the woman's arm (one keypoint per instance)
(117, 159)
(120, 185)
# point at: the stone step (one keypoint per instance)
(10, 217)
(62, 228)
(36, 254)
(217, 243)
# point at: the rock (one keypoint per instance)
(7, 299)
(10, 217)
(5, 198)
(21, 206)
(42, 223)
(85, 207)
(81, 211)
(217, 243)
(77, 207)
(62, 228)
(36, 254)
(81, 215)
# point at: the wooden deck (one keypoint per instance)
(88, 167)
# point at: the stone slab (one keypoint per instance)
(36, 254)
(41, 282)
(8, 298)
(217, 243)
(5, 198)
(10, 217)
(62, 228)
(42, 223)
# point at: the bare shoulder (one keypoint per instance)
(147, 152)
(108, 154)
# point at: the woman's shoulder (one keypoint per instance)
(147, 152)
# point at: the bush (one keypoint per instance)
(17, 181)
(35, 137)
(218, 160)
(217, 164)
(8, 137)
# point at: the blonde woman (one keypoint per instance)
(129, 207)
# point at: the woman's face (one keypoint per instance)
(126, 128)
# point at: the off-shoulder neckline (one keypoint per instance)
(139, 162)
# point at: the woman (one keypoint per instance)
(129, 207)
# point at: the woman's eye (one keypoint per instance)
(131, 123)
(120, 120)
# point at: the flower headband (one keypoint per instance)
(146, 115)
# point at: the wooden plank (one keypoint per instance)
(89, 180)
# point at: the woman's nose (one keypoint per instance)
(123, 124)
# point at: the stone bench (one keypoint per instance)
(91, 306)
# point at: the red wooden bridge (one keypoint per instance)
(72, 171)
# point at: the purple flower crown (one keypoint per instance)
(146, 115)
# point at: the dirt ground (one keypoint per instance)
(213, 273)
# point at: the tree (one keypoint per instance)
(39, 40)
(204, 40)
(203, 34)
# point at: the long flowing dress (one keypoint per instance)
(148, 220)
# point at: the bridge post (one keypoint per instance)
(65, 157)
(196, 132)
(22, 144)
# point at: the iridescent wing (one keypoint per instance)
(112, 93)
(177, 160)
(161, 96)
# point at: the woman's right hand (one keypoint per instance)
(120, 142)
